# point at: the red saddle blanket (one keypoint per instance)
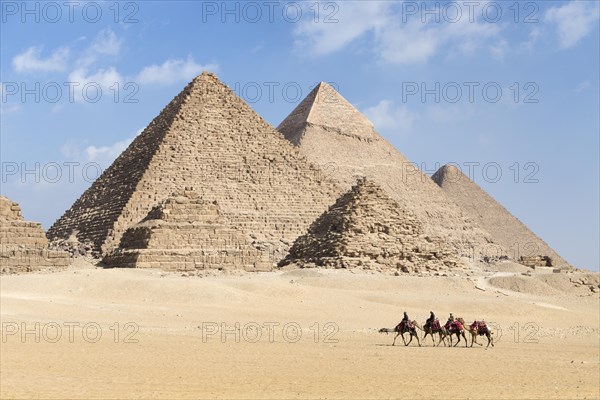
(400, 327)
(455, 326)
(480, 327)
(435, 325)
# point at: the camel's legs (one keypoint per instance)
(417, 337)
(457, 337)
(410, 337)
(396, 337)
(490, 340)
(465, 338)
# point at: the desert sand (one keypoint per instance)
(546, 335)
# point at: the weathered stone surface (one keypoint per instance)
(536, 261)
(330, 132)
(506, 230)
(23, 245)
(212, 140)
(366, 228)
(187, 233)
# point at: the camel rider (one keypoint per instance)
(450, 321)
(405, 317)
(430, 320)
(405, 321)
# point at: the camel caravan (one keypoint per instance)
(432, 327)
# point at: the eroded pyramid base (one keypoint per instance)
(186, 233)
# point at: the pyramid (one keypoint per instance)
(523, 244)
(186, 233)
(329, 131)
(366, 228)
(209, 139)
(23, 244)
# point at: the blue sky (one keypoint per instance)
(502, 86)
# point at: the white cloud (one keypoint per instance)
(172, 71)
(106, 43)
(31, 60)
(532, 39)
(103, 155)
(385, 117)
(107, 153)
(354, 19)
(574, 21)
(499, 49)
(393, 39)
(407, 44)
(89, 82)
(417, 42)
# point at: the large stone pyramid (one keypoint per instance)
(209, 139)
(522, 244)
(329, 131)
(186, 233)
(366, 228)
(23, 244)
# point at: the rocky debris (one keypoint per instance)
(591, 281)
(493, 259)
(506, 230)
(366, 229)
(187, 233)
(210, 139)
(23, 244)
(73, 246)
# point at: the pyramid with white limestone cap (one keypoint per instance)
(329, 131)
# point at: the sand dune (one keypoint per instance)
(547, 342)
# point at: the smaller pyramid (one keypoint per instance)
(186, 233)
(366, 228)
(23, 244)
(523, 245)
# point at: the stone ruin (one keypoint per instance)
(536, 261)
(23, 244)
(365, 228)
(187, 233)
(516, 239)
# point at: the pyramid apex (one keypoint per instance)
(206, 75)
(323, 84)
(326, 108)
(448, 173)
(451, 168)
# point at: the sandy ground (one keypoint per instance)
(182, 341)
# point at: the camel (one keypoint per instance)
(454, 329)
(401, 329)
(475, 329)
(429, 331)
